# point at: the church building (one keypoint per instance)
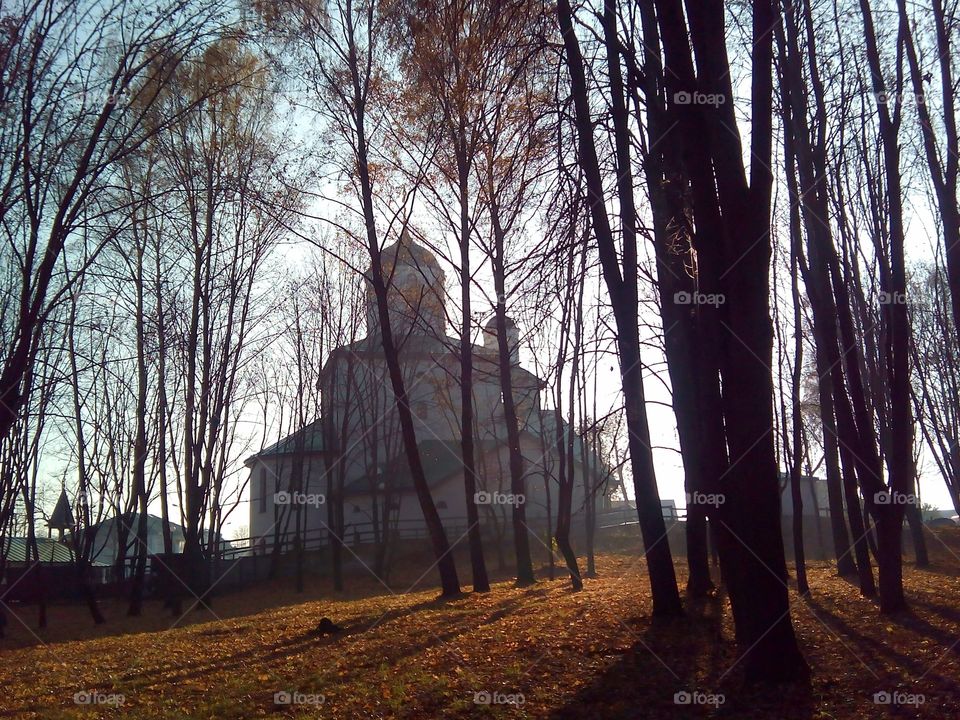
(356, 447)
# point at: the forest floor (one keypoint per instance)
(535, 652)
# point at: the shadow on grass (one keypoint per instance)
(71, 622)
(679, 669)
(866, 647)
(390, 652)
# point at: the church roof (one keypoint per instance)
(440, 459)
(62, 516)
(508, 321)
(309, 439)
(407, 251)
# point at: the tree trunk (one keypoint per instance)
(140, 440)
(897, 356)
(732, 240)
(915, 522)
(666, 187)
(565, 469)
(481, 582)
(623, 296)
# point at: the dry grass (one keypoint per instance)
(591, 654)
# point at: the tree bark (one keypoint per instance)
(623, 296)
(734, 247)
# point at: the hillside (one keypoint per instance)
(538, 652)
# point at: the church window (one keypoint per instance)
(263, 489)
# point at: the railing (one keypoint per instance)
(354, 535)
(360, 534)
(409, 529)
(628, 516)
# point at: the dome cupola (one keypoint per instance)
(415, 291)
(513, 337)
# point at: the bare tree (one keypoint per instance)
(343, 44)
(731, 213)
(70, 73)
(622, 284)
(936, 375)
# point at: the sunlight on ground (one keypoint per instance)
(534, 652)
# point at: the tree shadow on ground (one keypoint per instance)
(682, 668)
(875, 648)
(70, 621)
(263, 654)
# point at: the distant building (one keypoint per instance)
(358, 431)
(813, 494)
(108, 534)
(56, 563)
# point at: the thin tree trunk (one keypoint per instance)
(481, 582)
(449, 581)
(623, 295)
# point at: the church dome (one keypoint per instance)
(490, 342)
(508, 321)
(415, 291)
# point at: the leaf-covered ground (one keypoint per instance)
(536, 652)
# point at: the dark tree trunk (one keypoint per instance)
(623, 295)
(140, 440)
(578, 380)
(897, 355)
(564, 508)
(449, 581)
(666, 186)
(481, 583)
(140, 568)
(736, 250)
(812, 198)
(548, 496)
(336, 473)
(521, 539)
(565, 468)
(915, 522)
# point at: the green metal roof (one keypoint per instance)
(440, 460)
(309, 439)
(16, 550)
